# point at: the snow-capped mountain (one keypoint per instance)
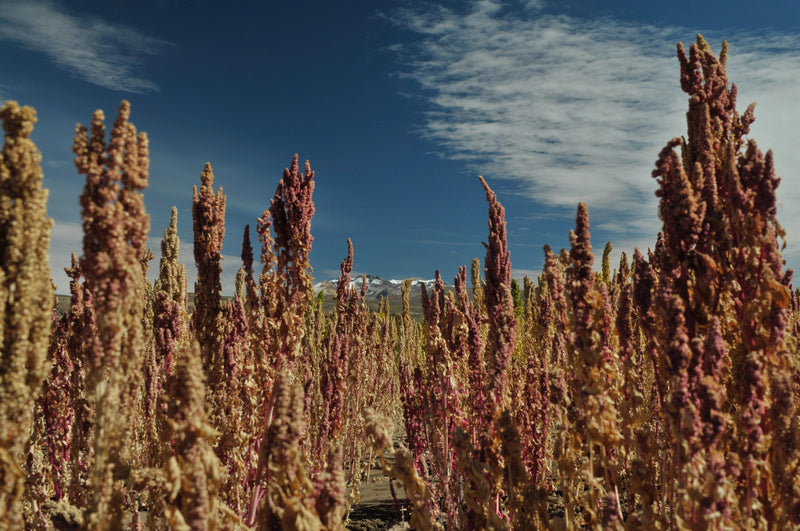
(378, 288)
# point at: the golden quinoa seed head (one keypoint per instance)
(26, 300)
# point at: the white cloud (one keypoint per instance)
(102, 53)
(577, 109)
(533, 5)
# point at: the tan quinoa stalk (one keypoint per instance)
(115, 233)
(26, 299)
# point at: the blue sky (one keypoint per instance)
(399, 106)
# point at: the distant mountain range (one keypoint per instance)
(379, 288)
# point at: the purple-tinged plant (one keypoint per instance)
(208, 220)
(234, 410)
(115, 234)
(286, 289)
(334, 360)
(329, 489)
(499, 303)
(56, 403)
(443, 394)
(476, 395)
(250, 288)
(722, 310)
(78, 324)
(285, 281)
(593, 386)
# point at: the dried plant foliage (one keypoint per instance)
(115, 234)
(26, 298)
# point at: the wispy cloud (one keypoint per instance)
(577, 109)
(102, 53)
